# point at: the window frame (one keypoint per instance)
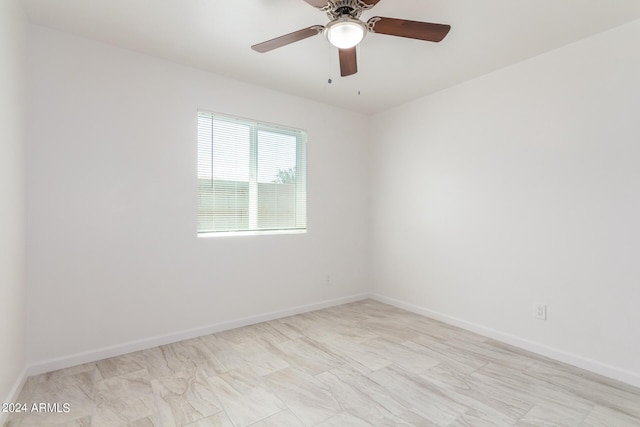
(255, 126)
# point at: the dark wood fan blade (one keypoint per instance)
(318, 3)
(371, 3)
(410, 29)
(348, 61)
(287, 39)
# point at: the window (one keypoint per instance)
(251, 176)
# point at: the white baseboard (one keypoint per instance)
(12, 397)
(143, 344)
(626, 376)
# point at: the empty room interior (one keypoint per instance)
(319, 213)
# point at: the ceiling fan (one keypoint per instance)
(345, 30)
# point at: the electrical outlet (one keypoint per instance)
(328, 280)
(540, 311)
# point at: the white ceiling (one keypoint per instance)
(216, 35)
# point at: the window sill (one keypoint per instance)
(250, 233)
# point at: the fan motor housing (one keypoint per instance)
(352, 8)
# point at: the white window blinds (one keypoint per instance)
(251, 176)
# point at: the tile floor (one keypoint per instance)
(359, 364)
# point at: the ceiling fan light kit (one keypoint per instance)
(345, 30)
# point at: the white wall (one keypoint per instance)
(12, 199)
(521, 186)
(113, 253)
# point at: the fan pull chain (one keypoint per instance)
(331, 58)
(359, 56)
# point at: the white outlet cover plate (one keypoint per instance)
(540, 311)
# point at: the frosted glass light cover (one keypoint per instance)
(345, 34)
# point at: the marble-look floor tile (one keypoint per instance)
(196, 353)
(407, 358)
(124, 399)
(543, 399)
(153, 360)
(487, 353)
(343, 358)
(185, 397)
(390, 329)
(423, 397)
(357, 402)
(536, 391)
(606, 417)
(528, 354)
(133, 384)
(304, 395)
(473, 418)
(217, 420)
(286, 329)
(245, 397)
(324, 328)
(373, 390)
(74, 370)
(123, 411)
(81, 422)
(600, 393)
(281, 419)
(308, 356)
(308, 326)
(35, 422)
(582, 375)
(121, 365)
(267, 333)
(224, 352)
(151, 421)
(245, 352)
(438, 351)
(483, 400)
(345, 419)
(433, 329)
(258, 357)
(365, 356)
(550, 416)
(261, 333)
